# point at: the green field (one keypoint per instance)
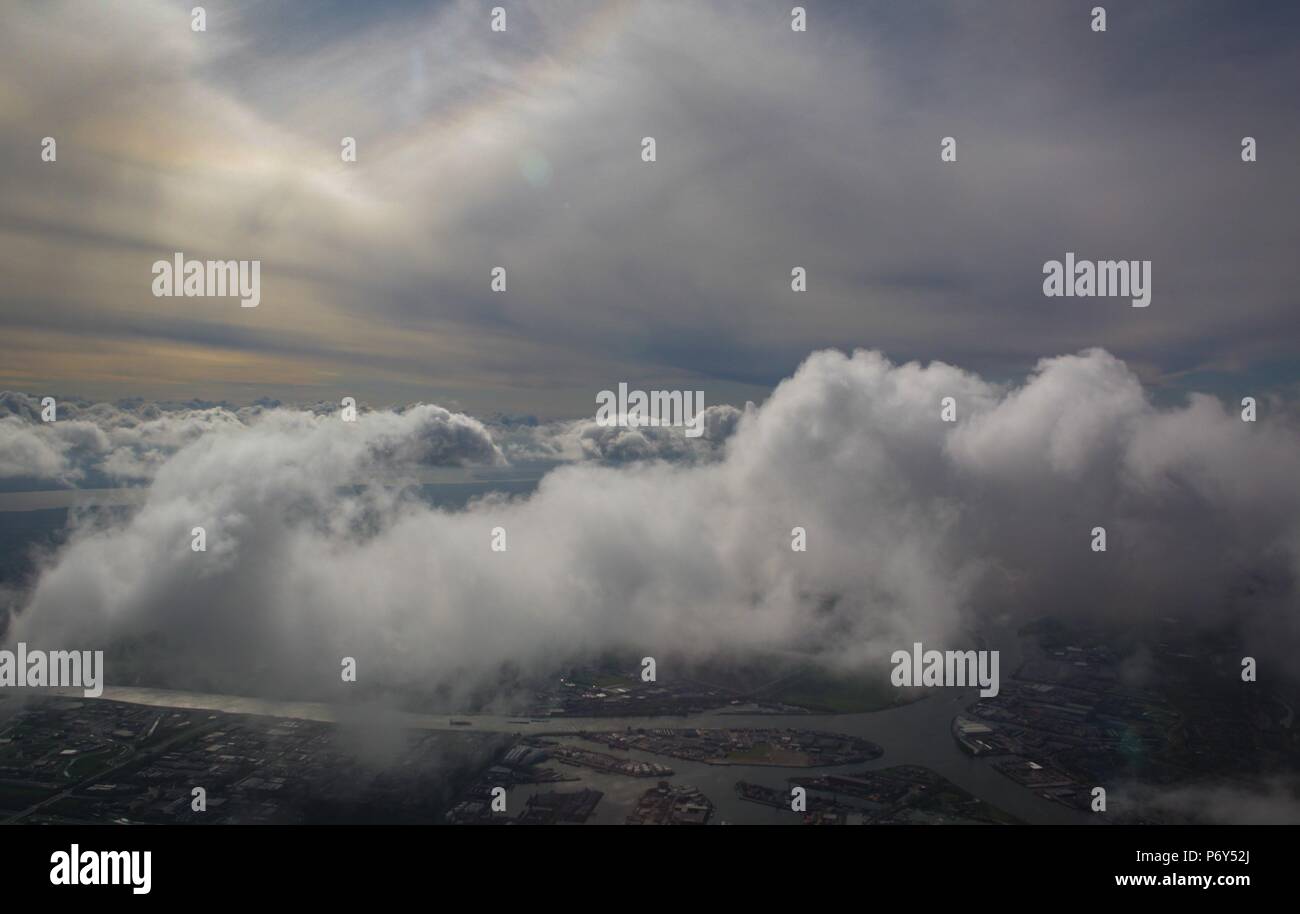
(817, 690)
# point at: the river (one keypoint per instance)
(917, 733)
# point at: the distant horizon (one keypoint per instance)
(1225, 386)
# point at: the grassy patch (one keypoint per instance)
(840, 694)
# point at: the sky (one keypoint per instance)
(522, 149)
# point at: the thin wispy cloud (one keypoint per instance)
(520, 149)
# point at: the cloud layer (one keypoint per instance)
(93, 445)
(917, 529)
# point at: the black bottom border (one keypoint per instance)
(331, 863)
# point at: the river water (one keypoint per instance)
(918, 733)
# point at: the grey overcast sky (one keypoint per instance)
(522, 149)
